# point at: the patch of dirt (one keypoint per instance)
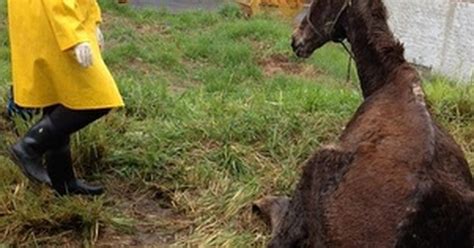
(280, 64)
(152, 28)
(156, 223)
(139, 66)
(142, 216)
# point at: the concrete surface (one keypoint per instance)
(438, 34)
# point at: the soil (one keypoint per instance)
(281, 64)
(156, 224)
(147, 216)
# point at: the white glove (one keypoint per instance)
(83, 53)
(100, 38)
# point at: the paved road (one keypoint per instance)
(178, 5)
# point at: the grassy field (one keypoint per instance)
(219, 113)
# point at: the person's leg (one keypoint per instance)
(63, 179)
(28, 152)
(67, 121)
(57, 124)
(47, 110)
(14, 109)
(58, 159)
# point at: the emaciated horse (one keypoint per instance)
(395, 178)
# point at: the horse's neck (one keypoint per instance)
(377, 54)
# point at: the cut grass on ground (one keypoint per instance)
(219, 113)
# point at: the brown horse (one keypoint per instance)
(395, 178)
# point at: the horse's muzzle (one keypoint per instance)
(299, 48)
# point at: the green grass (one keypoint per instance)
(208, 128)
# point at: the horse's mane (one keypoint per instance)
(390, 50)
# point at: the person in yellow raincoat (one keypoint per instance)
(57, 66)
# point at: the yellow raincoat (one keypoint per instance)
(43, 34)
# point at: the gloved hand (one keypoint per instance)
(100, 38)
(83, 54)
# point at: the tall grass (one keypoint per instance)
(209, 126)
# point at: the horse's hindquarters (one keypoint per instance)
(371, 203)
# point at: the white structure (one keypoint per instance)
(438, 34)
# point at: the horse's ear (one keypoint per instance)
(271, 209)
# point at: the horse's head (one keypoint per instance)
(321, 24)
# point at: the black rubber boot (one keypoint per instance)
(28, 152)
(64, 181)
